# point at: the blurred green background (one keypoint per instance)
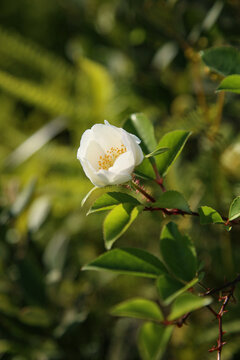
(65, 65)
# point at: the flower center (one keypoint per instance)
(107, 161)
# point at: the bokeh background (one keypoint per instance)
(65, 65)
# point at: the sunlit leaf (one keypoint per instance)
(209, 216)
(230, 84)
(153, 340)
(110, 200)
(138, 308)
(178, 252)
(175, 141)
(234, 211)
(118, 221)
(187, 302)
(129, 261)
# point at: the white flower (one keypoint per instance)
(109, 154)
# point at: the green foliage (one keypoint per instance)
(157, 151)
(175, 141)
(118, 221)
(121, 58)
(169, 288)
(186, 303)
(142, 127)
(153, 340)
(128, 261)
(110, 200)
(225, 60)
(230, 83)
(178, 252)
(209, 216)
(172, 200)
(234, 211)
(138, 308)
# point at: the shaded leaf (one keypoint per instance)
(234, 211)
(187, 302)
(178, 252)
(225, 60)
(138, 308)
(110, 200)
(172, 200)
(175, 141)
(209, 216)
(170, 288)
(145, 170)
(153, 340)
(230, 84)
(139, 125)
(118, 221)
(129, 261)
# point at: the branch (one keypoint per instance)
(181, 212)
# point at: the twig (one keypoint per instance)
(159, 179)
(220, 288)
(181, 212)
(143, 192)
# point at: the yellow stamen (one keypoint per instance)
(106, 161)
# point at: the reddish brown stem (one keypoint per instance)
(159, 179)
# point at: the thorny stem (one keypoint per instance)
(181, 212)
(159, 179)
(143, 192)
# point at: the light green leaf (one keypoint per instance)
(110, 200)
(225, 60)
(175, 141)
(138, 308)
(186, 303)
(153, 340)
(169, 288)
(178, 252)
(231, 84)
(157, 151)
(129, 261)
(172, 200)
(118, 221)
(209, 216)
(139, 125)
(234, 211)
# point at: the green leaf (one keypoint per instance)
(145, 170)
(153, 340)
(129, 261)
(23, 199)
(231, 84)
(209, 216)
(110, 200)
(118, 221)
(139, 125)
(175, 141)
(234, 211)
(225, 60)
(178, 252)
(186, 303)
(138, 308)
(172, 200)
(157, 151)
(169, 288)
